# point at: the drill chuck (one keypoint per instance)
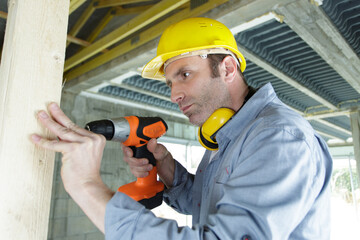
(114, 130)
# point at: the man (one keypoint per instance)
(267, 178)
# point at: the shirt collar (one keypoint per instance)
(245, 115)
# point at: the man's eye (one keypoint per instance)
(168, 83)
(186, 74)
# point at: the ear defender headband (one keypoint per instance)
(207, 132)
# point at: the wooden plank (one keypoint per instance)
(143, 38)
(30, 77)
(112, 3)
(137, 23)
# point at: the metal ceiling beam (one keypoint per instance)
(345, 144)
(137, 23)
(292, 82)
(328, 135)
(314, 27)
(316, 116)
(133, 104)
(333, 126)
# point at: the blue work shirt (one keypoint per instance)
(269, 180)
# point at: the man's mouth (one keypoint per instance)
(185, 108)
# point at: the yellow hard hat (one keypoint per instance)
(186, 38)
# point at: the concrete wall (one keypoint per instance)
(67, 221)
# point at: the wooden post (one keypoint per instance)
(30, 77)
(355, 128)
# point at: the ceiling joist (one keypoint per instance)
(333, 126)
(75, 4)
(143, 37)
(82, 20)
(292, 82)
(315, 28)
(133, 10)
(102, 24)
(113, 3)
(137, 23)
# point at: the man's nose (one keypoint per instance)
(177, 95)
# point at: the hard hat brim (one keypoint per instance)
(154, 68)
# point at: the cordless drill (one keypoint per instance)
(135, 132)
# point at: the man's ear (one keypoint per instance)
(230, 67)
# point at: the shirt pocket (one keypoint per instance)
(223, 175)
(218, 190)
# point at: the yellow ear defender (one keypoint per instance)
(207, 132)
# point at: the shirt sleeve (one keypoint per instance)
(179, 196)
(128, 219)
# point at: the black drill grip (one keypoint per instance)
(143, 152)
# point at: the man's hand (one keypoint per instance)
(165, 163)
(81, 159)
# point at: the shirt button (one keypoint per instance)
(198, 204)
(246, 237)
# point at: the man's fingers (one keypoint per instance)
(53, 145)
(60, 117)
(59, 130)
(158, 150)
(139, 167)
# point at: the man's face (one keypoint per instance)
(194, 90)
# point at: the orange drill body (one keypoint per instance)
(136, 132)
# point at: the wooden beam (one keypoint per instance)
(75, 4)
(137, 23)
(112, 3)
(3, 15)
(77, 41)
(143, 37)
(133, 10)
(81, 21)
(102, 24)
(30, 77)
(81, 42)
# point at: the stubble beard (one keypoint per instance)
(214, 98)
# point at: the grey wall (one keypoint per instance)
(67, 221)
